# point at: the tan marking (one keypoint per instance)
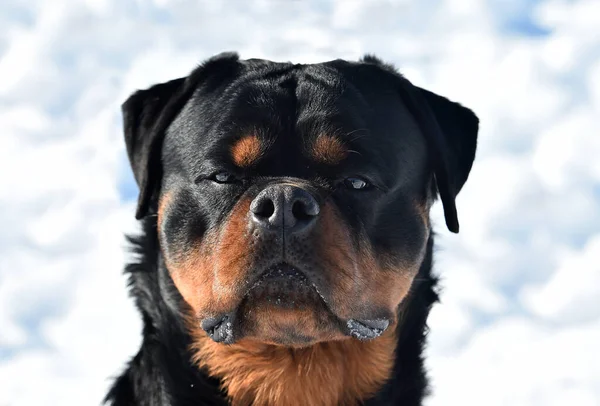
(329, 150)
(270, 324)
(256, 372)
(246, 151)
(358, 275)
(207, 274)
(342, 372)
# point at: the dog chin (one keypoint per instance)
(290, 327)
(283, 307)
(273, 314)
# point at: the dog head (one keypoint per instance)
(292, 201)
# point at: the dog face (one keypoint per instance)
(292, 200)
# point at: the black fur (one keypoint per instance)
(196, 113)
(161, 372)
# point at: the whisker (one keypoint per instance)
(366, 130)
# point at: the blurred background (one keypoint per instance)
(519, 322)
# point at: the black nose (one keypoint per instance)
(284, 206)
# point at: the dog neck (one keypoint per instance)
(343, 372)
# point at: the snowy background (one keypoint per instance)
(520, 319)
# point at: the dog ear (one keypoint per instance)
(148, 113)
(451, 132)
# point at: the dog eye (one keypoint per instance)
(356, 183)
(223, 177)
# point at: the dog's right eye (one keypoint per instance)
(223, 177)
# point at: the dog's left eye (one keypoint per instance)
(356, 183)
(224, 177)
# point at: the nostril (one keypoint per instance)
(284, 206)
(265, 209)
(302, 210)
(299, 211)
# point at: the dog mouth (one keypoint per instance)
(285, 288)
(281, 286)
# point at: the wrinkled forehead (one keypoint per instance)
(296, 118)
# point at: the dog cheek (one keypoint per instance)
(394, 269)
(395, 272)
(234, 251)
(210, 272)
(183, 257)
(193, 278)
(364, 282)
(337, 255)
(392, 284)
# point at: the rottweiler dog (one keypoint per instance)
(286, 251)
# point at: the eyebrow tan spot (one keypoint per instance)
(246, 151)
(329, 150)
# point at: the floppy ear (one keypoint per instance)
(451, 133)
(146, 116)
(148, 113)
(453, 141)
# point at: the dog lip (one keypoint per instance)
(219, 329)
(286, 272)
(367, 329)
(281, 270)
